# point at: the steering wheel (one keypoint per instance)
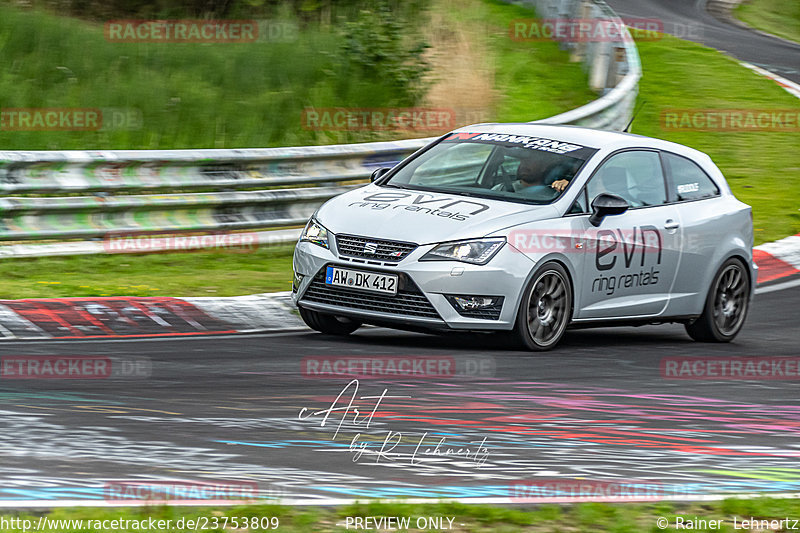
(508, 184)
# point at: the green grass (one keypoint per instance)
(762, 167)
(533, 79)
(202, 273)
(209, 95)
(585, 517)
(778, 17)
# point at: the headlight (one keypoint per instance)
(477, 252)
(316, 233)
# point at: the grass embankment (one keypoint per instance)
(190, 95)
(762, 167)
(586, 517)
(478, 67)
(200, 273)
(778, 17)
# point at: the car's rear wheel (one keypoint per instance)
(328, 324)
(545, 309)
(726, 305)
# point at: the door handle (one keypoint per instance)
(671, 225)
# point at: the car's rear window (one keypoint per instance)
(687, 181)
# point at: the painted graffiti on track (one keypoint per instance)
(113, 317)
(530, 431)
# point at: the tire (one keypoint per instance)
(726, 306)
(545, 309)
(328, 324)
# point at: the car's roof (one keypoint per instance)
(601, 139)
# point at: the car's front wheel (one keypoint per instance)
(545, 309)
(328, 324)
(726, 305)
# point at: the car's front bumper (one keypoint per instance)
(421, 301)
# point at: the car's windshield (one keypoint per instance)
(507, 167)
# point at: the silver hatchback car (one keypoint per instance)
(530, 229)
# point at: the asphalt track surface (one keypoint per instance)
(599, 407)
(690, 20)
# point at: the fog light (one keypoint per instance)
(486, 307)
(470, 303)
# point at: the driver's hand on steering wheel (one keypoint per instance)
(560, 185)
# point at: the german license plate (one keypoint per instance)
(366, 281)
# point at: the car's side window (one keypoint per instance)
(686, 180)
(635, 175)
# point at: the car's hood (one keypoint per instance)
(422, 217)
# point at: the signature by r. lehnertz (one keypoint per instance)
(354, 413)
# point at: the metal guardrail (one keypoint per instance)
(73, 171)
(315, 173)
(614, 67)
(48, 218)
(117, 179)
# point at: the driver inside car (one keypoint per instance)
(530, 175)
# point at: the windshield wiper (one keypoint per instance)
(466, 193)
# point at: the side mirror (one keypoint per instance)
(605, 204)
(378, 174)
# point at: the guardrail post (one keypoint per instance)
(582, 11)
(617, 67)
(598, 76)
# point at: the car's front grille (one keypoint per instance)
(409, 300)
(377, 249)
